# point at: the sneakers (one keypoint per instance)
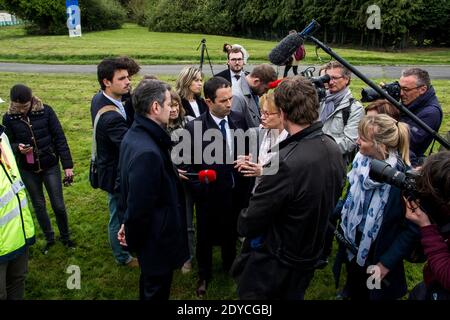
(133, 263)
(47, 246)
(187, 267)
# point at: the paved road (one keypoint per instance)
(436, 72)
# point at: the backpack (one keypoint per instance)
(93, 168)
(300, 53)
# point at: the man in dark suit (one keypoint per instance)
(218, 202)
(154, 219)
(114, 81)
(235, 70)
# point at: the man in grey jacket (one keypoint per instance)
(339, 112)
(250, 88)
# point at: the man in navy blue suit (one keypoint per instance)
(155, 217)
(217, 203)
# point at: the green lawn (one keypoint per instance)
(173, 48)
(70, 96)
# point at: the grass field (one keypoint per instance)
(70, 96)
(173, 48)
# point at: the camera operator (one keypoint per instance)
(372, 218)
(339, 112)
(434, 187)
(419, 97)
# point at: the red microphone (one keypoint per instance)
(274, 84)
(204, 176)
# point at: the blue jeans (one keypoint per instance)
(51, 179)
(122, 256)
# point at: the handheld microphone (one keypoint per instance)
(286, 47)
(204, 176)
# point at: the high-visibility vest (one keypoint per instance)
(16, 222)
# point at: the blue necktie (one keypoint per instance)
(222, 129)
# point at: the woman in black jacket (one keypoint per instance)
(39, 143)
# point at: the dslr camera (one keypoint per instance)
(392, 89)
(318, 82)
(382, 172)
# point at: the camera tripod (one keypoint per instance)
(202, 55)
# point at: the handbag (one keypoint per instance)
(93, 168)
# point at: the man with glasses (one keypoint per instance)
(419, 97)
(235, 70)
(340, 112)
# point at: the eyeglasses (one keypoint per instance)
(236, 60)
(336, 78)
(266, 114)
(405, 89)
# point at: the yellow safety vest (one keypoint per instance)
(16, 222)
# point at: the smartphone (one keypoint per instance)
(27, 145)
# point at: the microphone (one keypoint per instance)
(204, 176)
(286, 47)
(274, 84)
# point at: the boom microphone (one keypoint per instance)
(204, 176)
(286, 47)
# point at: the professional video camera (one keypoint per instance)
(392, 89)
(382, 172)
(318, 82)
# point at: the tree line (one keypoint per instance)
(404, 23)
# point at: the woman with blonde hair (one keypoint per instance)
(273, 134)
(189, 87)
(372, 217)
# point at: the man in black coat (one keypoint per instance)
(154, 219)
(287, 216)
(217, 203)
(114, 81)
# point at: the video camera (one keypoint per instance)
(382, 172)
(318, 82)
(392, 89)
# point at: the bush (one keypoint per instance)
(49, 16)
(200, 16)
(101, 15)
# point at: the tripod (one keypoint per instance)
(202, 55)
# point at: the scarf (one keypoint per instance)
(353, 210)
(331, 102)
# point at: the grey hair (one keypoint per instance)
(422, 76)
(147, 92)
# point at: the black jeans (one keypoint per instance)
(34, 183)
(12, 277)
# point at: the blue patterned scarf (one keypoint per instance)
(353, 210)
